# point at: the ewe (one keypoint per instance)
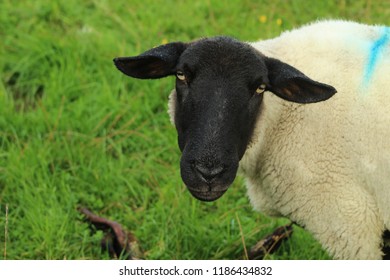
(325, 166)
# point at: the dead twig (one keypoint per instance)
(270, 243)
(119, 242)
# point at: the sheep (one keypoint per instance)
(244, 107)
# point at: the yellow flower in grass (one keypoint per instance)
(279, 22)
(164, 41)
(263, 19)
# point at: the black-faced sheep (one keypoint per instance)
(326, 165)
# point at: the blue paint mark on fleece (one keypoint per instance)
(375, 51)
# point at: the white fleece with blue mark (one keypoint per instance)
(375, 53)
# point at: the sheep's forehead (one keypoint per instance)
(223, 54)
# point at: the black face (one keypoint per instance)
(216, 109)
(219, 89)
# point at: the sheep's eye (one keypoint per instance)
(180, 75)
(261, 89)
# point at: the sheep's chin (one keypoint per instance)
(207, 196)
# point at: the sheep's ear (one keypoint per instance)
(155, 63)
(292, 85)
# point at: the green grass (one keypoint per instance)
(74, 131)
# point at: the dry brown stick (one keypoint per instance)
(118, 241)
(270, 243)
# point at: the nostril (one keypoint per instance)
(208, 173)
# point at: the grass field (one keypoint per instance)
(74, 131)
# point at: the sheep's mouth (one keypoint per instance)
(207, 196)
(207, 183)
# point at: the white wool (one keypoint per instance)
(327, 165)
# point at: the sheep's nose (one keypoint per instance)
(208, 173)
